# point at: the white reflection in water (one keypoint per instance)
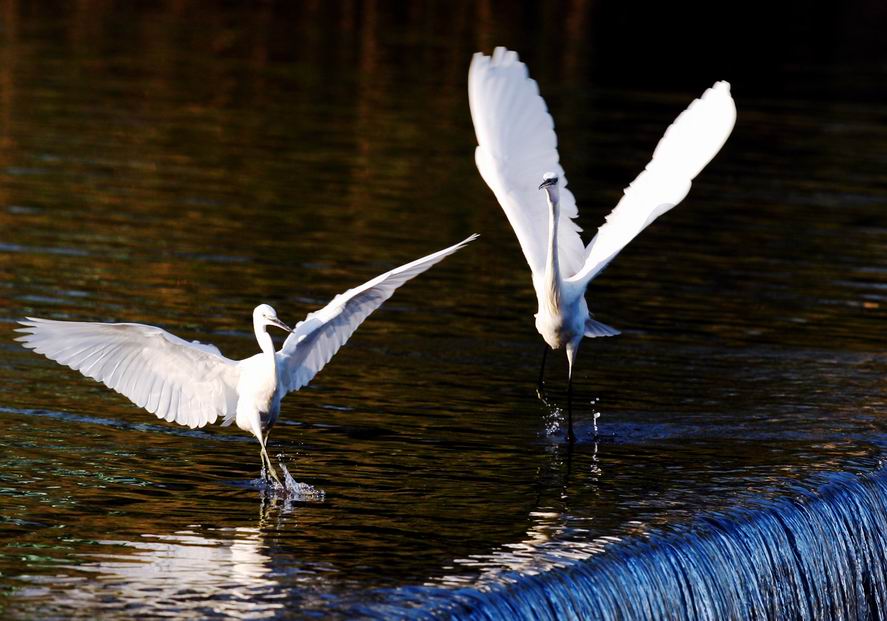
(549, 542)
(186, 573)
(194, 573)
(555, 538)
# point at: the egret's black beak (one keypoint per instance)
(280, 324)
(548, 182)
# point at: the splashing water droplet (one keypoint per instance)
(301, 492)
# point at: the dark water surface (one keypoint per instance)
(178, 165)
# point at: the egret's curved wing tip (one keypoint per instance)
(466, 241)
(721, 89)
(27, 325)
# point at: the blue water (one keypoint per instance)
(819, 552)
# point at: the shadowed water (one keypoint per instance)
(156, 172)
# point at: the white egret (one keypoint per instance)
(517, 147)
(192, 383)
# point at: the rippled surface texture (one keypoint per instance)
(177, 165)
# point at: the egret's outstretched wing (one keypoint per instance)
(688, 145)
(188, 383)
(516, 145)
(315, 340)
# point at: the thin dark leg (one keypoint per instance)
(541, 383)
(569, 466)
(570, 437)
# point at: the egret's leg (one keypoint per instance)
(265, 470)
(266, 460)
(541, 383)
(271, 469)
(570, 437)
(572, 349)
(268, 457)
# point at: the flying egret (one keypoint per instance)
(192, 383)
(517, 148)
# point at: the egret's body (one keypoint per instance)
(192, 383)
(517, 147)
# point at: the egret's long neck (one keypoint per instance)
(265, 342)
(552, 267)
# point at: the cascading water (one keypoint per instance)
(818, 553)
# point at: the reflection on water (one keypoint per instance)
(554, 537)
(155, 172)
(183, 574)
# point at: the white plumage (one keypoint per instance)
(316, 339)
(688, 145)
(186, 383)
(192, 383)
(517, 148)
(516, 144)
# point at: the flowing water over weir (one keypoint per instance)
(818, 553)
(159, 172)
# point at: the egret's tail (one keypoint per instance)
(596, 328)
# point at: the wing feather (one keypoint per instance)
(316, 339)
(516, 146)
(126, 359)
(155, 393)
(190, 383)
(165, 406)
(175, 401)
(688, 145)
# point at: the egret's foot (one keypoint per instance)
(272, 474)
(266, 463)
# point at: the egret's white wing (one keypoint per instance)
(188, 383)
(688, 145)
(516, 146)
(314, 341)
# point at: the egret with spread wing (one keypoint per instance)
(517, 148)
(192, 383)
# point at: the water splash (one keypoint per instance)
(595, 414)
(555, 415)
(301, 492)
(292, 490)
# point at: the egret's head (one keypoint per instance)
(265, 315)
(549, 184)
(549, 179)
